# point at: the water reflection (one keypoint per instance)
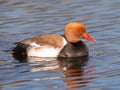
(75, 73)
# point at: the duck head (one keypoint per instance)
(75, 31)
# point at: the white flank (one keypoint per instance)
(37, 50)
(43, 51)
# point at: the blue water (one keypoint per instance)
(20, 19)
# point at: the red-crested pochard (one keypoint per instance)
(54, 45)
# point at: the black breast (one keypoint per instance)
(74, 50)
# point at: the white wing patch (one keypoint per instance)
(35, 44)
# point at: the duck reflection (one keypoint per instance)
(75, 74)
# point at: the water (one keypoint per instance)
(20, 19)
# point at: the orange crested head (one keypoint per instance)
(75, 31)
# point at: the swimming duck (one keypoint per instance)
(54, 45)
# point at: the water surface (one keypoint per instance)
(20, 19)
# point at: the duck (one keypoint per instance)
(54, 45)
